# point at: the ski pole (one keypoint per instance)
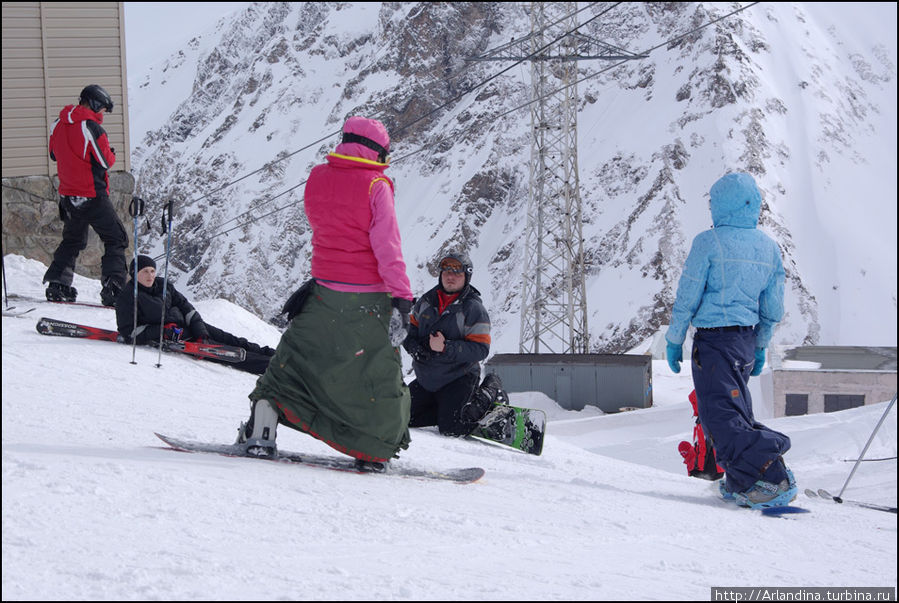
(839, 497)
(166, 210)
(136, 209)
(5, 290)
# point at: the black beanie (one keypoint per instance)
(142, 262)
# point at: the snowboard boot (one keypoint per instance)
(57, 292)
(763, 495)
(498, 424)
(725, 493)
(110, 292)
(257, 436)
(484, 398)
(371, 466)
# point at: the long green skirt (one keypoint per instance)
(336, 376)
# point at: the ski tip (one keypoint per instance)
(783, 510)
(168, 440)
(466, 476)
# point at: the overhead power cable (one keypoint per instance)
(439, 140)
(402, 127)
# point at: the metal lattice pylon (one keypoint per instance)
(554, 300)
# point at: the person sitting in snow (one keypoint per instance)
(449, 336)
(181, 321)
(731, 290)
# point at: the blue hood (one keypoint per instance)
(735, 201)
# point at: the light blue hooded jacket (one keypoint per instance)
(734, 274)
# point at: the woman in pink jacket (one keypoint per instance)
(337, 373)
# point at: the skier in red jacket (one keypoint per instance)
(81, 150)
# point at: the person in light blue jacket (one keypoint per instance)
(731, 290)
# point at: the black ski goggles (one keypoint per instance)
(367, 142)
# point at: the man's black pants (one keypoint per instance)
(443, 407)
(99, 214)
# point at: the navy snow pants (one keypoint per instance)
(748, 451)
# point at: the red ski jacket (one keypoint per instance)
(80, 147)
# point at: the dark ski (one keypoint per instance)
(218, 351)
(459, 476)
(62, 328)
(215, 351)
(36, 300)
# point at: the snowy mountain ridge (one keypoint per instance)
(802, 96)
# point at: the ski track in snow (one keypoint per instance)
(94, 507)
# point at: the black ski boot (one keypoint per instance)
(110, 292)
(57, 292)
(484, 398)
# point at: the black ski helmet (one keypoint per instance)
(462, 258)
(96, 98)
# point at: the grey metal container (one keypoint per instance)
(611, 382)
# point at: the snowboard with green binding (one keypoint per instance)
(519, 428)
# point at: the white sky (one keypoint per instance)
(153, 30)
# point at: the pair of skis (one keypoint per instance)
(821, 492)
(211, 351)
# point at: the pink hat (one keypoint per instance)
(363, 137)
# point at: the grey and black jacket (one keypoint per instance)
(466, 327)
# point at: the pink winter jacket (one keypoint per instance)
(356, 243)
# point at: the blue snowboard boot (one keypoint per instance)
(763, 495)
(725, 493)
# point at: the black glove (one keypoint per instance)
(399, 321)
(63, 209)
(297, 300)
(420, 353)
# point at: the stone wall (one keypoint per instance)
(31, 224)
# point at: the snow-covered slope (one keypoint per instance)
(94, 509)
(802, 95)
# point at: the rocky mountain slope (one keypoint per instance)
(801, 96)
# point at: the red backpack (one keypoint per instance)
(699, 457)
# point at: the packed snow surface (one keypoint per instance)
(94, 506)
